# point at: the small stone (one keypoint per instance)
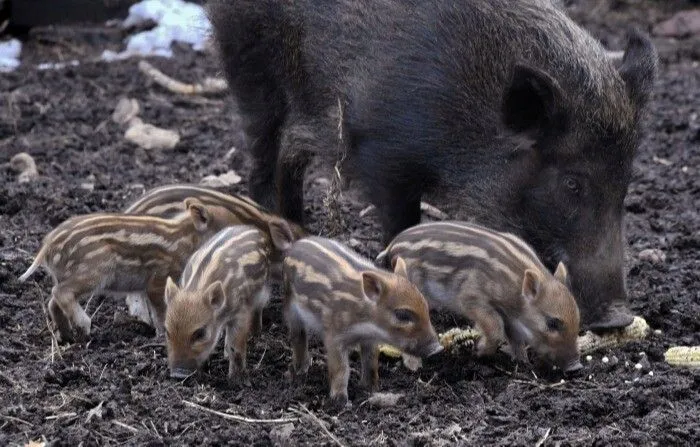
(87, 186)
(638, 366)
(589, 358)
(230, 153)
(657, 332)
(217, 181)
(354, 243)
(280, 435)
(384, 400)
(681, 24)
(452, 430)
(127, 108)
(653, 255)
(605, 360)
(411, 362)
(684, 169)
(651, 373)
(149, 136)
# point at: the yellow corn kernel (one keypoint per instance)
(590, 342)
(687, 356)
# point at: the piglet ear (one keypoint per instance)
(171, 290)
(372, 285)
(531, 285)
(400, 267)
(199, 213)
(281, 234)
(532, 101)
(215, 296)
(562, 274)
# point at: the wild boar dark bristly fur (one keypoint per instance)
(506, 113)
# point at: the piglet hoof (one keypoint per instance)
(240, 380)
(337, 403)
(297, 377)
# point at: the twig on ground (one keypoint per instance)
(234, 417)
(208, 86)
(126, 427)
(306, 412)
(61, 416)
(543, 438)
(14, 419)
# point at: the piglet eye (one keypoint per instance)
(555, 324)
(199, 334)
(405, 316)
(572, 185)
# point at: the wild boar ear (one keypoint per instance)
(532, 101)
(531, 285)
(215, 296)
(372, 285)
(199, 213)
(281, 234)
(639, 67)
(400, 267)
(562, 274)
(171, 290)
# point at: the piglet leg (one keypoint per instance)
(338, 372)
(369, 357)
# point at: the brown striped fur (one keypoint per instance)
(167, 201)
(497, 281)
(331, 289)
(223, 287)
(116, 253)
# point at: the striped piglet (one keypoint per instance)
(496, 280)
(223, 287)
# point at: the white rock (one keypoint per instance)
(126, 110)
(638, 366)
(589, 358)
(149, 136)
(605, 360)
(653, 255)
(217, 181)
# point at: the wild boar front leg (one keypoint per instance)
(369, 358)
(338, 371)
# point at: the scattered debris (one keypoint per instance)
(9, 55)
(226, 179)
(25, 165)
(176, 21)
(367, 210)
(662, 161)
(149, 136)
(452, 430)
(35, 444)
(653, 255)
(354, 243)
(687, 356)
(208, 86)
(681, 24)
(433, 212)
(89, 183)
(237, 418)
(280, 435)
(384, 400)
(95, 412)
(126, 110)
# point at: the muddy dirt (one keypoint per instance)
(115, 389)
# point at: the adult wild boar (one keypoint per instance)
(504, 112)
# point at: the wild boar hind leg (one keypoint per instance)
(369, 358)
(237, 341)
(338, 371)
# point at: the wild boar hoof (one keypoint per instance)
(338, 403)
(617, 317)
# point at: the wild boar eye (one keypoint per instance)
(572, 185)
(405, 316)
(554, 324)
(199, 334)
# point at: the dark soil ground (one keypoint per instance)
(62, 117)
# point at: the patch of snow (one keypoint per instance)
(9, 54)
(176, 21)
